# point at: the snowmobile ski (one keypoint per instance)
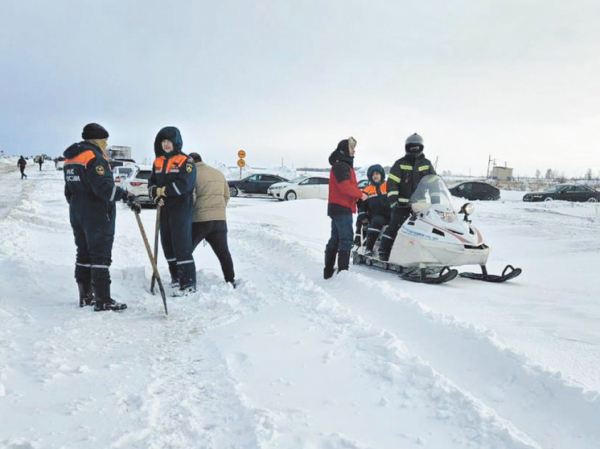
(420, 275)
(484, 276)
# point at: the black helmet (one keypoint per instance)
(414, 145)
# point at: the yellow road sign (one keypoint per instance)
(241, 163)
(241, 155)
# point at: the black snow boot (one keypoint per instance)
(371, 239)
(329, 263)
(343, 260)
(174, 272)
(103, 299)
(86, 297)
(385, 248)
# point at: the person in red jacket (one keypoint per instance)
(343, 195)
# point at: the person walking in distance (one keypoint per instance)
(41, 162)
(91, 193)
(21, 164)
(343, 195)
(171, 186)
(209, 222)
(403, 179)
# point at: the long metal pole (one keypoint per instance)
(155, 270)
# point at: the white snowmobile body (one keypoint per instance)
(435, 237)
(438, 237)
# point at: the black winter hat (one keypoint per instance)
(195, 156)
(94, 131)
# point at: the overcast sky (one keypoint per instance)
(517, 80)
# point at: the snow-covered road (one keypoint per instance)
(288, 360)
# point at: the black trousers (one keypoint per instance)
(399, 216)
(22, 172)
(376, 224)
(215, 233)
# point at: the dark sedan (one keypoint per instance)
(565, 192)
(253, 184)
(474, 190)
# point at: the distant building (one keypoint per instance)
(119, 152)
(502, 173)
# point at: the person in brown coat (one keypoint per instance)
(209, 220)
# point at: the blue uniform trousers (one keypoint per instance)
(176, 239)
(94, 232)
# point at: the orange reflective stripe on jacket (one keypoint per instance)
(81, 158)
(370, 189)
(174, 163)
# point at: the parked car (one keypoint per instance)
(474, 190)
(299, 188)
(114, 163)
(254, 184)
(121, 174)
(363, 183)
(565, 192)
(138, 184)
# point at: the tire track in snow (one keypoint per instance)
(465, 419)
(537, 402)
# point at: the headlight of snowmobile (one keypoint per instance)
(467, 208)
(447, 216)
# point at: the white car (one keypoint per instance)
(137, 183)
(299, 188)
(121, 174)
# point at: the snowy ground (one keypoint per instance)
(288, 360)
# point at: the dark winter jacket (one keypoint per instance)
(377, 202)
(343, 188)
(89, 185)
(22, 162)
(404, 177)
(175, 171)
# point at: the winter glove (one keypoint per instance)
(357, 240)
(133, 202)
(152, 193)
(155, 192)
(160, 196)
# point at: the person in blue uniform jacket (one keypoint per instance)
(171, 186)
(91, 193)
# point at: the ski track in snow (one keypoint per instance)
(73, 378)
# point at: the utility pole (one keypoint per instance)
(490, 160)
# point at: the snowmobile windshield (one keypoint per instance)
(432, 190)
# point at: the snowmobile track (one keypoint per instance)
(527, 396)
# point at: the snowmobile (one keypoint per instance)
(433, 239)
